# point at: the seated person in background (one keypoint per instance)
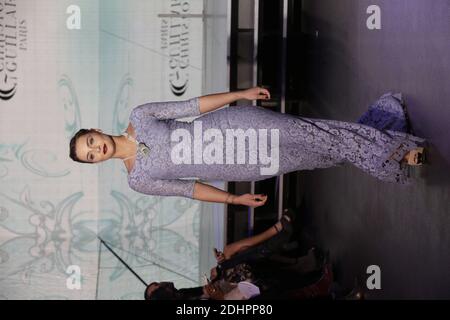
(253, 267)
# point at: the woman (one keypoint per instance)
(253, 267)
(232, 275)
(158, 154)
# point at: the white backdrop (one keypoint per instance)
(51, 209)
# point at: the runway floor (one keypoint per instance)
(405, 230)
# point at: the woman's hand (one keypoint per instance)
(251, 200)
(256, 93)
(213, 291)
(220, 257)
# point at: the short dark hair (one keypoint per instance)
(160, 293)
(146, 294)
(73, 142)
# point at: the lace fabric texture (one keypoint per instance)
(376, 144)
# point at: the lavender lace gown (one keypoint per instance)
(376, 144)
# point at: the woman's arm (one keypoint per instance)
(214, 101)
(231, 249)
(192, 189)
(193, 107)
(205, 192)
(165, 110)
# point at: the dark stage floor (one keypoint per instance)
(404, 230)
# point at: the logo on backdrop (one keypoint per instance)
(175, 40)
(13, 37)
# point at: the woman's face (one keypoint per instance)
(95, 147)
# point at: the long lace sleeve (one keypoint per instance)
(161, 187)
(169, 109)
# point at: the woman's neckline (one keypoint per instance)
(132, 133)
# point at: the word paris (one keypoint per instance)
(212, 152)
